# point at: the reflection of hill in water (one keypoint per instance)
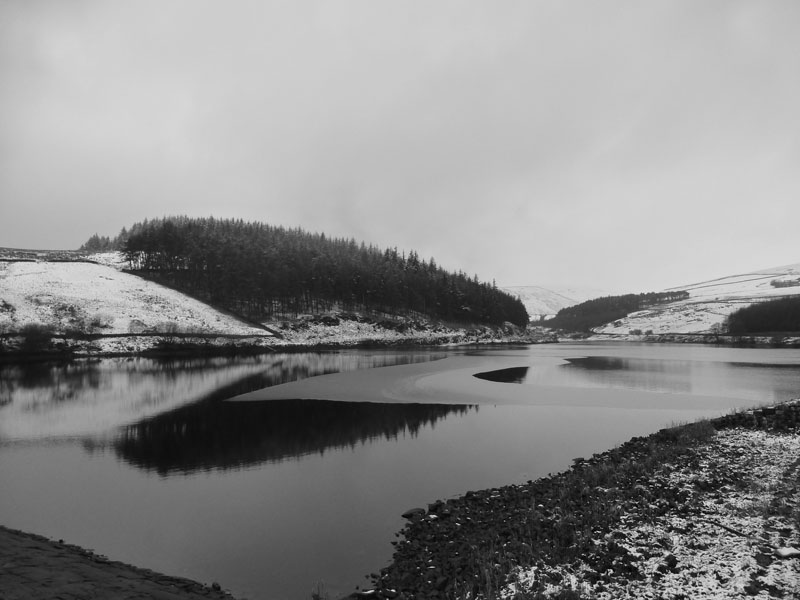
(89, 397)
(214, 434)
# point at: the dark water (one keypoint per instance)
(150, 462)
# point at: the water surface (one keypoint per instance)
(154, 463)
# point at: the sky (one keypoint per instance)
(623, 145)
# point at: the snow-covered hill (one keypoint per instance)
(709, 303)
(88, 297)
(91, 294)
(543, 302)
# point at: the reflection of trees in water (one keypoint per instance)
(284, 368)
(147, 382)
(277, 368)
(58, 382)
(613, 371)
(761, 381)
(215, 434)
(638, 373)
(313, 363)
(622, 363)
(5, 391)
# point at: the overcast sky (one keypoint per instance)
(631, 146)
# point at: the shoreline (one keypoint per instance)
(316, 338)
(647, 518)
(702, 510)
(33, 567)
(214, 345)
(776, 340)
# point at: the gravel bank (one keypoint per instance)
(700, 511)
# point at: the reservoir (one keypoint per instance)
(278, 474)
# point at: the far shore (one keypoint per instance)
(195, 345)
(65, 347)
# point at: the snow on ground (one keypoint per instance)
(739, 541)
(351, 331)
(110, 259)
(709, 303)
(93, 297)
(718, 554)
(348, 332)
(543, 301)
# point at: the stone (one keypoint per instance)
(787, 552)
(670, 563)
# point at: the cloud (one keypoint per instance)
(523, 141)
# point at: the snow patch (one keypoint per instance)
(708, 305)
(542, 302)
(96, 298)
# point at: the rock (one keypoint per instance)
(763, 560)
(670, 563)
(413, 513)
(788, 552)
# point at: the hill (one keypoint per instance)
(76, 298)
(85, 304)
(544, 302)
(709, 303)
(260, 271)
(586, 316)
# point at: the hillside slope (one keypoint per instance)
(127, 314)
(90, 297)
(709, 303)
(544, 302)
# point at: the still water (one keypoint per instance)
(275, 474)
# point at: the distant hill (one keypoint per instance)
(544, 302)
(586, 316)
(709, 303)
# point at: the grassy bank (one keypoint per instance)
(651, 518)
(33, 567)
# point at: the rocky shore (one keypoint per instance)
(705, 510)
(302, 334)
(777, 340)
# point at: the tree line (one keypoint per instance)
(103, 243)
(259, 270)
(781, 315)
(599, 311)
